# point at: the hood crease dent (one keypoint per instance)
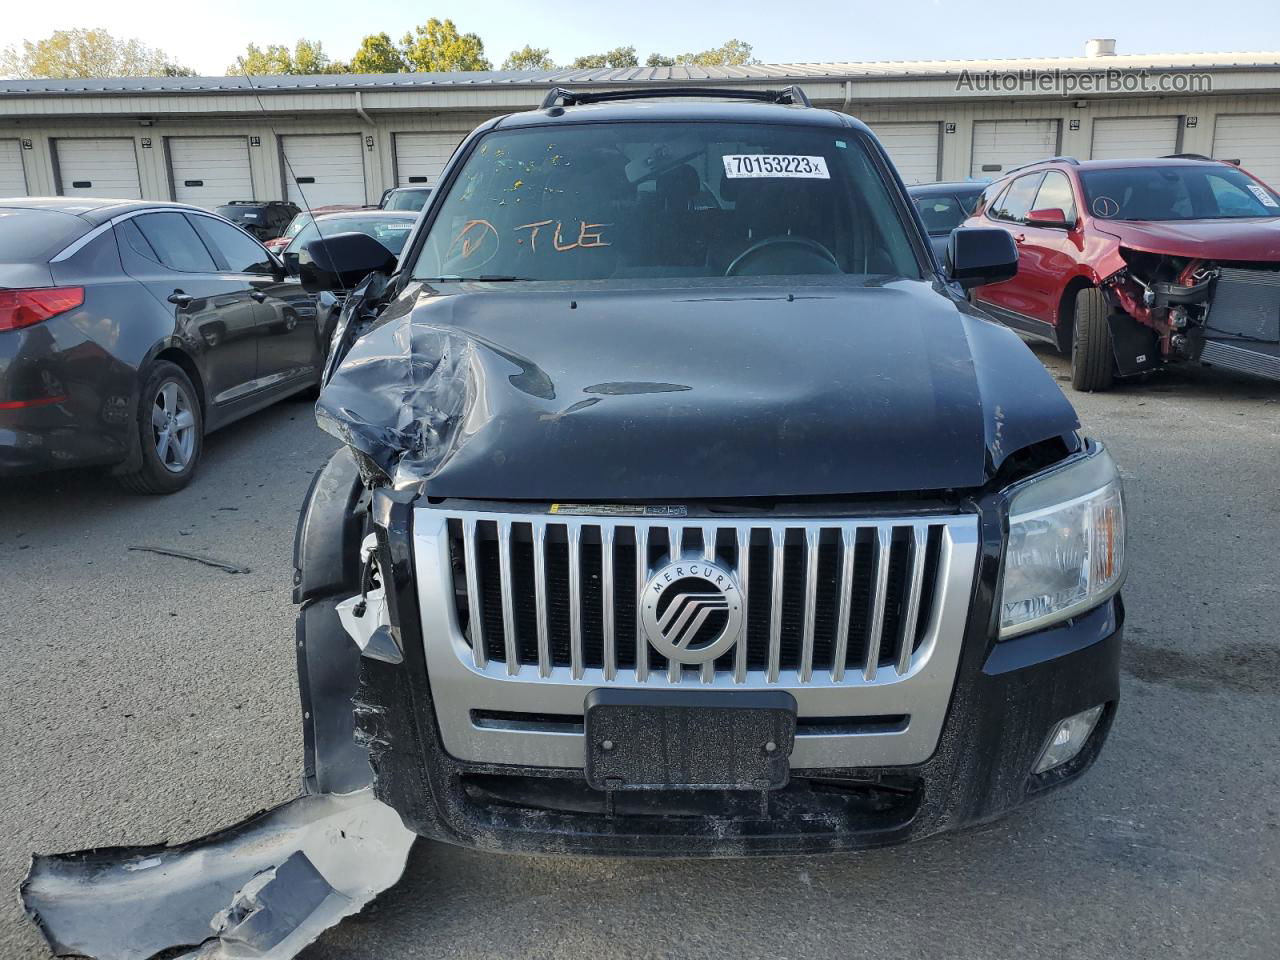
(647, 393)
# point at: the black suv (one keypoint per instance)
(265, 219)
(687, 509)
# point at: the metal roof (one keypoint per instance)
(766, 73)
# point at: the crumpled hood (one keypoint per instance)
(1252, 239)
(701, 392)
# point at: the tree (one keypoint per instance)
(618, 58)
(530, 58)
(378, 54)
(307, 57)
(88, 53)
(437, 47)
(731, 53)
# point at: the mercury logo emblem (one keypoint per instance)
(692, 611)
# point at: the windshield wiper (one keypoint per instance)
(482, 278)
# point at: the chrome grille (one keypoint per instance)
(827, 600)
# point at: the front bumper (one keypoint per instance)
(1006, 698)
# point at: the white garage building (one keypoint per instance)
(344, 139)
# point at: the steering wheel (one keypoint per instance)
(802, 244)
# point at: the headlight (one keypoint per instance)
(1065, 552)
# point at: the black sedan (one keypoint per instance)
(130, 329)
(943, 207)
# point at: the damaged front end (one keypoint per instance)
(1168, 308)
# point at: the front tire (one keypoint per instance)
(1092, 355)
(170, 427)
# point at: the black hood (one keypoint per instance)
(705, 392)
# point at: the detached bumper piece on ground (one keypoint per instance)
(264, 888)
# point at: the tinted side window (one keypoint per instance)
(1055, 194)
(241, 254)
(941, 215)
(129, 232)
(1017, 199)
(175, 242)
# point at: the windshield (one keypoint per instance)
(391, 232)
(659, 200)
(295, 225)
(407, 199)
(1191, 192)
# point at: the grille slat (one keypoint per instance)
(576, 661)
(848, 553)
(829, 600)
(919, 547)
(880, 592)
(742, 551)
(606, 590)
(642, 577)
(540, 598)
(508, 597)
(777, 564)
(812, 536)
(675, 551)
(475, 624)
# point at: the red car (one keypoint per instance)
(1129, 264)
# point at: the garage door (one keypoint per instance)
(209, 171)
(321, 170)
(420, 157)
(1253, 141)
(106, 167)
(1001, 145)
(13, 181)
(913, 147)
(1118, 138)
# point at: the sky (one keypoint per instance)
(791, 32)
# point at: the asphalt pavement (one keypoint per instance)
(150, 698)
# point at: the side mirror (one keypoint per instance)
(1049, 217)
(340, 261)
(290, 261)
(980, 255)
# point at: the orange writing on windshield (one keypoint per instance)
(472, 236)
(589, 235)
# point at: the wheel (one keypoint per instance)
(1092, 357)
(170, 428)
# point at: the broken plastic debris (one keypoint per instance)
(264, 888)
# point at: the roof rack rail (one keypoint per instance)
(1189, 156)
(1022, 166)
(559, 96)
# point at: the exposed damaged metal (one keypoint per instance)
(264, 888)
(1187, 308)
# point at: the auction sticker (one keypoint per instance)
(750, 165)
(1266, 199)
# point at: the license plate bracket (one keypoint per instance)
(689, 740)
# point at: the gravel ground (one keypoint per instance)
(151, 698)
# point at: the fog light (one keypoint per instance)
(1066, 739)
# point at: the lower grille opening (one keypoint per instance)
(850, 726)
(842, 805)
(530, 722)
